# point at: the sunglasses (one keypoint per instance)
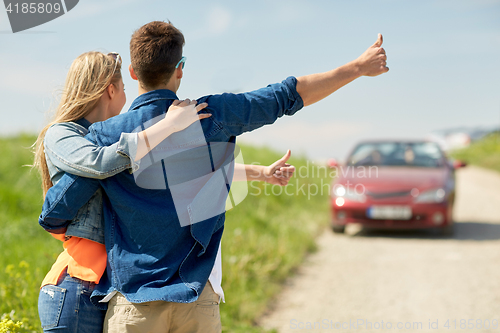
(118, 59)
(182, 61)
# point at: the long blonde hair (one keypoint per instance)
(88, 77)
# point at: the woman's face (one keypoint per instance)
(119, 99)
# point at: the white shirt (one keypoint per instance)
(215, 277)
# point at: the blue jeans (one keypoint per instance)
(66, 307)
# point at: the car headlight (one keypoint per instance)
(431, 196)
(339, 191)
(350, 194)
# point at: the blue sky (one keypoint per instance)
(444, 59)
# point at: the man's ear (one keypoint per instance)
(179, 72)
(132, 73)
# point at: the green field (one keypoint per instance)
(484, 153)
(266, 237)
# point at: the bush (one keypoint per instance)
(8, 324)
(484, 153)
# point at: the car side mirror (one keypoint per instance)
(457, 164)
(332, 163)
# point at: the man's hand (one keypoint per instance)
(280, 172)
(373, 61)
(315, 87)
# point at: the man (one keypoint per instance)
(160, 252)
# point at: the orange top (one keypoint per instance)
(85, 260)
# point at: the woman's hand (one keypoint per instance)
(181, 114)
(280, 172)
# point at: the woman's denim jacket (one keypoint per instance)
(66, 150)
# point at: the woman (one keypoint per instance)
(94, 92)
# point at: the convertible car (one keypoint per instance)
(396, 185)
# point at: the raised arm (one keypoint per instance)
(313, 88)
(69, 151)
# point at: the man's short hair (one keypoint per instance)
(155, 49)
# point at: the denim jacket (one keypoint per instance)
(66, 150)
(151, 255)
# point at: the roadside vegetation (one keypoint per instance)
(266, 237)
(484, 153)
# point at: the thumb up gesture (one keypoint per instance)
(373, 61)
(280, 172)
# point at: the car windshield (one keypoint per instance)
(418, 154)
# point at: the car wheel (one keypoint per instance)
(447, 230)
(338, 229)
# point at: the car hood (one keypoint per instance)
(393, 177)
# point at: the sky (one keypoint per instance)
(443, 55)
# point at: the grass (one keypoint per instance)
(27, 250)
(484, 153)
(266, 237)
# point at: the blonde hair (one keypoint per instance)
(88, 77)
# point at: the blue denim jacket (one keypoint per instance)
(150, 255)
(66, 150)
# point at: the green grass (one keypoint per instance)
(484, 153)
(266, 237)
(27, 250)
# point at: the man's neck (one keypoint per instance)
(169, 86)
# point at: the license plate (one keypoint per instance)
(389, 212)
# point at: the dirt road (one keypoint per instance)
(404, 281)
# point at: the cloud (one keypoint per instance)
(293, 11)
(219, 20)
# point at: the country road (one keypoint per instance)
(417, 281)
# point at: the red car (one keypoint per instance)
(394, 184)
